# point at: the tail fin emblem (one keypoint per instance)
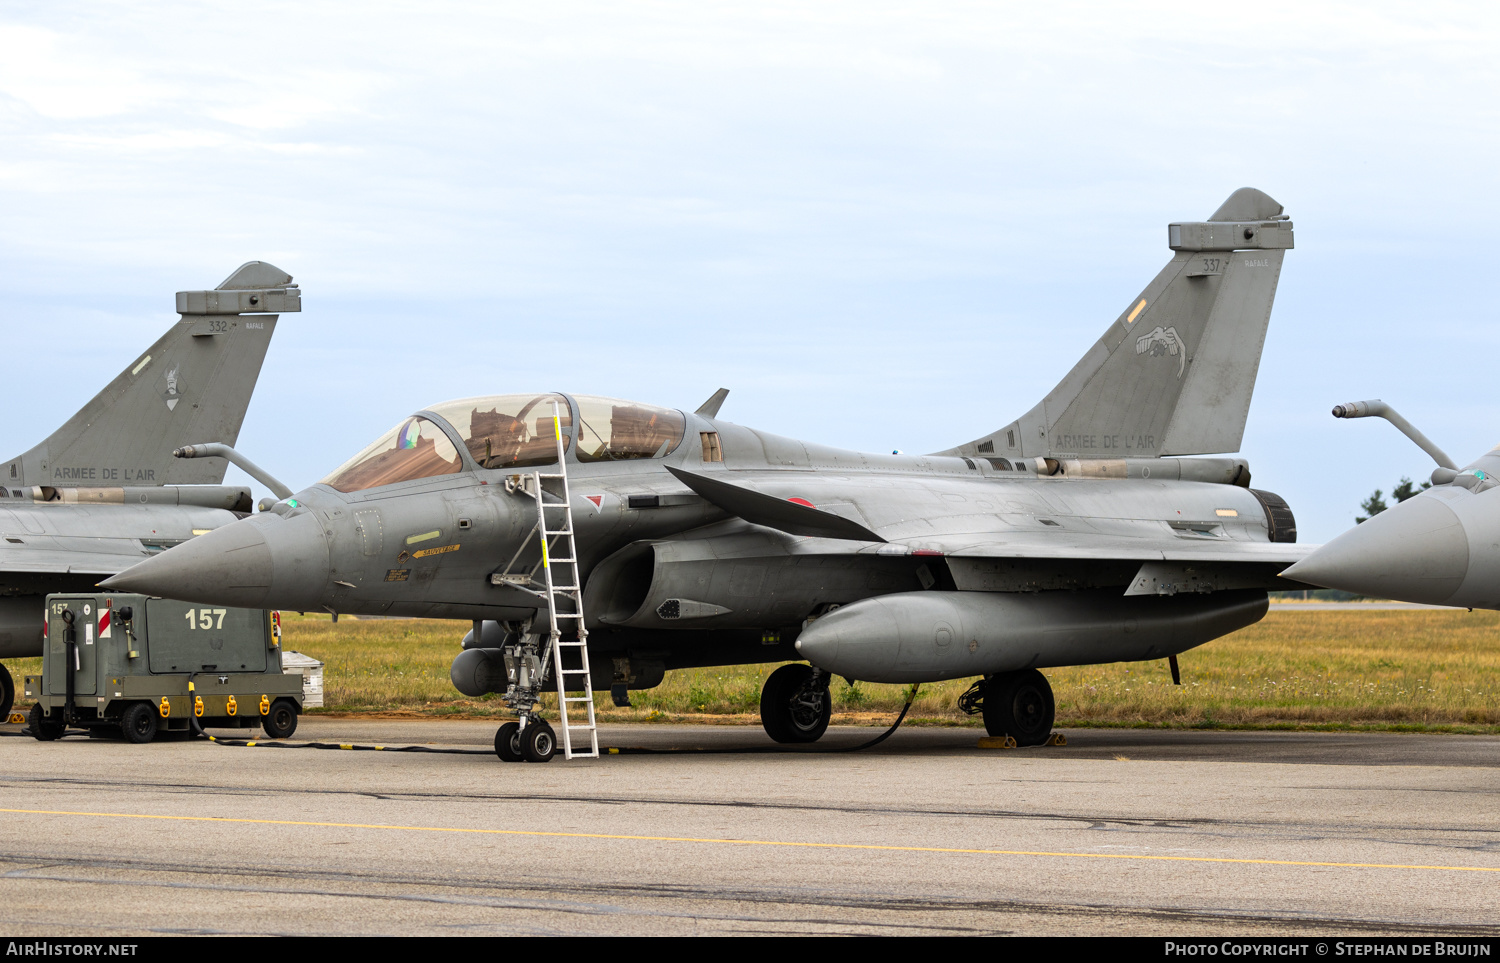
(171, 394)
(1161, 341)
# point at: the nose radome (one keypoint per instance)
(1415, 552)
(227, 566)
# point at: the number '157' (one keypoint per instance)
(204, 618)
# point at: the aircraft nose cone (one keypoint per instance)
(1415, 552)
(227, 566)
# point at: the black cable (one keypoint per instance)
(347, 747)
(810, 750)
(610, 751)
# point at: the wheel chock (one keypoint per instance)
(17, 719)
(1009, 742)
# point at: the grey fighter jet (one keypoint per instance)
(1441, 546)
(103, 491)
(1075, 534)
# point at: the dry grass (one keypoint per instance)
(1431, 670)
(1385, 669)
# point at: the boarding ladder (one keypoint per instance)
(561, 585)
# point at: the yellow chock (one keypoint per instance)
(165, 708)
(17, 718)
(997, 742)
(231, 706)
(198, 706)
(265, 705)
(1056, 739)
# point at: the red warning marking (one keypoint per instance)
(802, 501)
(598, 500)
(104, 621)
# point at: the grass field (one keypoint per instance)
(1380, 669)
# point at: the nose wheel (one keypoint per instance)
(535, 743)
(508, 742)
(538, 742)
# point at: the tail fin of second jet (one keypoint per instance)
(1174, 373)
(192, 386)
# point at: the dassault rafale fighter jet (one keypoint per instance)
(103, 491)
(1441, 546)
(1072, 535)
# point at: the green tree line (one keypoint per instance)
(1375, 504)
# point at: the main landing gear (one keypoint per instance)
(795, 705)
(1015, 704)
(7, 693)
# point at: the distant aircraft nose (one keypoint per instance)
(265, 561)
(1415, 552)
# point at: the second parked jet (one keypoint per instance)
(103, 491)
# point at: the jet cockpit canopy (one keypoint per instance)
(509, 431)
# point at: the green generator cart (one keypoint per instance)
(146, 665)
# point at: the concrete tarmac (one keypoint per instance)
(1129, 832)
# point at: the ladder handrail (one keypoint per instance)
(571, 590)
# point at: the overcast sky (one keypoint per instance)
(880, 225)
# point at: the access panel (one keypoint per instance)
(203, 638)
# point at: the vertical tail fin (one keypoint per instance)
(192, 385)
(1174, 373)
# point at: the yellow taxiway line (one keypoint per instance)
(871, 847)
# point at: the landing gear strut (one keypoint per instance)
(1019, 705)
(795, 705)
(529, 739)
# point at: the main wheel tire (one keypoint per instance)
(538, 742)
(138, 722)
(1019, 705)
(791, 709)
(7, 693)
(44, 729)
(281, 721)
(508, 743)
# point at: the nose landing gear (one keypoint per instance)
(536, 743)
(530, 739)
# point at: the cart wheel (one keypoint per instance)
(281, 721)
(138, 722)
(44, 729)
